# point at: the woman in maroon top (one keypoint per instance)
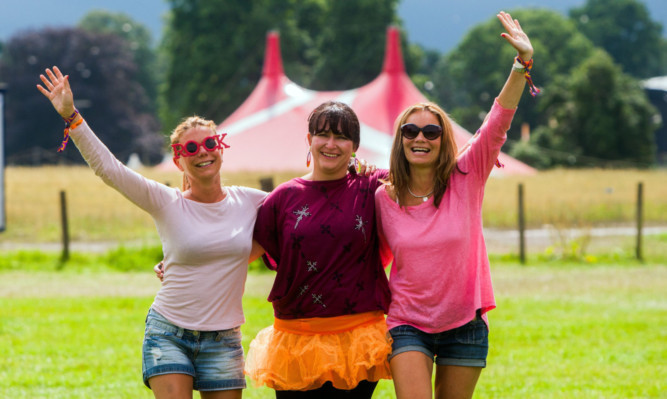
(330, 292)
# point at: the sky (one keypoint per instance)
(434, 24)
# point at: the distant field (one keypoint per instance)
(564, 198)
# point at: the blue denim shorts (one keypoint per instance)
(467, 345)
(214, 359)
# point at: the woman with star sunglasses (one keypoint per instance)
(429, 214)
(192, 338)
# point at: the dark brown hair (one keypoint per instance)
(336, 117)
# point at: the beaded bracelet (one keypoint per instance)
(69, 126)
(528, 66)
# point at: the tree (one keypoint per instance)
(139, 42)
(421, 65)
(351, 43)
(598, 116)
(624, 28)
(468, 79)
(102, 75)
(213, 52)
(214, 49)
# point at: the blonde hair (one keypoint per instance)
(399, 168)
(187, 124)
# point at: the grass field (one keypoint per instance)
(590, 328)
(563, 198)
(561, 330)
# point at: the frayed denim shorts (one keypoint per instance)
(214, 359)
(467, 345)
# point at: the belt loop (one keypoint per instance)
(180, 332)
(218, 337)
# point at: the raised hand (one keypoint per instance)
(516, 36)
(58, 91)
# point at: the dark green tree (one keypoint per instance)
(351, 43)
(624, 28)
(214, 49)
(139, 42)
(102, 74)
(213, 53)
(468, 79)
(421, 64)
(597, 116)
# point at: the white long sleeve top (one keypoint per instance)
(206, 245)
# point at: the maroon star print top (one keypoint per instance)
(320, 237)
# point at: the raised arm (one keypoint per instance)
(147, 194)
(516, 82)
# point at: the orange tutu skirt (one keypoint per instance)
(303, 354)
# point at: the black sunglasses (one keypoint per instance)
(410, 131)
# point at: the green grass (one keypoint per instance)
(561, 330)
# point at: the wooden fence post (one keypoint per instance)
(522, 227)
(640, 219)
(266, 184)
(65, 228)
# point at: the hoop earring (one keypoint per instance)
(308, 159)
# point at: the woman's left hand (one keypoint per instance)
(516, 36)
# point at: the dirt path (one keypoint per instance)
(497, 241)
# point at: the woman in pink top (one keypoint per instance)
(192, 338)
(429, 214)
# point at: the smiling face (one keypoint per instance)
(331, 155)
(203, 164)
(419, 151)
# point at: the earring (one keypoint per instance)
(308, 159)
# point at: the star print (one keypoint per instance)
(326, 229)
(312, 266)
(303, 212)
(335, 206)
(349, 306)
(318, 299)
(303, 290)
(360, 226)
(337, 277)
(296, 241)
(365, 192)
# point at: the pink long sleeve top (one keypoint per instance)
(206, 245)
(440, 273)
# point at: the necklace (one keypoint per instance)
(423, 197)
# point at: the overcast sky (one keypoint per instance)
(435, 24)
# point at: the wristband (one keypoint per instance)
(528, 66)
(69, 126)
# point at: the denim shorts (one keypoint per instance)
(214, 359)
(467, 345)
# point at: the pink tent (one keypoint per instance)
(268, 131)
